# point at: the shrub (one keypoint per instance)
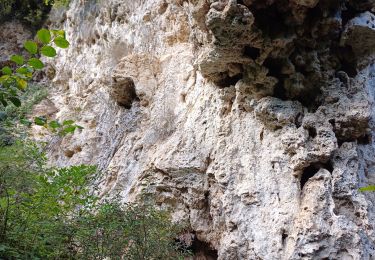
(50, 213)
(30, 12)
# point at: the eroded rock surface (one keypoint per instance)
(251, 120)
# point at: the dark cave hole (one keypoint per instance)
(251, 52)
(308, 97)
(228, 81)
(271, 21)
(307, 173)
(365, 139)
(240, 2)
(274, 67)
(199, 249)
(203, 249)
(348, 61)
(348, 13)
(284, 236)
(312, 169)
(312, 132)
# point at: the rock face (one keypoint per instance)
(251, 120)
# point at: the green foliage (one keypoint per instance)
(49, 213)
(61, 128)
(13, 122)
(57, 2)
(30, 12)
(16, 80)
(368, 188)
(133, 231)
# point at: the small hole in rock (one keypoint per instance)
(312, 169)
(312, 132)
(69, 153)
(365, 139)
(251, 52)
(284, 236)
(228, 81)
(199, 249)
(307, 173)
(347, 60)
(183, 97)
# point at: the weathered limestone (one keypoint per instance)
(253, 120)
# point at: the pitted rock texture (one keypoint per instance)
(251, 120)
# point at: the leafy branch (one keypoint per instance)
(15, 79)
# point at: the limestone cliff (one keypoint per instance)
(252, 120)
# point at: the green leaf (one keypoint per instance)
(44, 36)
(25, 122)
(2, 100)
(31, 47)
(40, 121)
(58, 33)
(17, 59)
(368, 188)
(68, 122)
(48, 51)
(25, 71)
(54, 124)
(68, 130)
(6, 70)
(22, 84)
(15, 101)
(61, 42)
(36, 63)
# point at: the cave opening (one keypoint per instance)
(199, 249)
(274, 67)
(312, 169)
(203, 250)
(227, 81)
(251, 52)
(271, 20)
(312, 132)
(348, 13)
(365, 139)
(308, 173)
(348, 61)
(284, 237)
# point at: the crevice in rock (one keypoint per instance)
(226, 81)
(347, 58)
(312, 169)
(312, 132)
(307, 173)
(365, 139)
(203, 250)
(199, 249)
(348, 13)
(270, 20)
(284, 237)
(251, 52)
